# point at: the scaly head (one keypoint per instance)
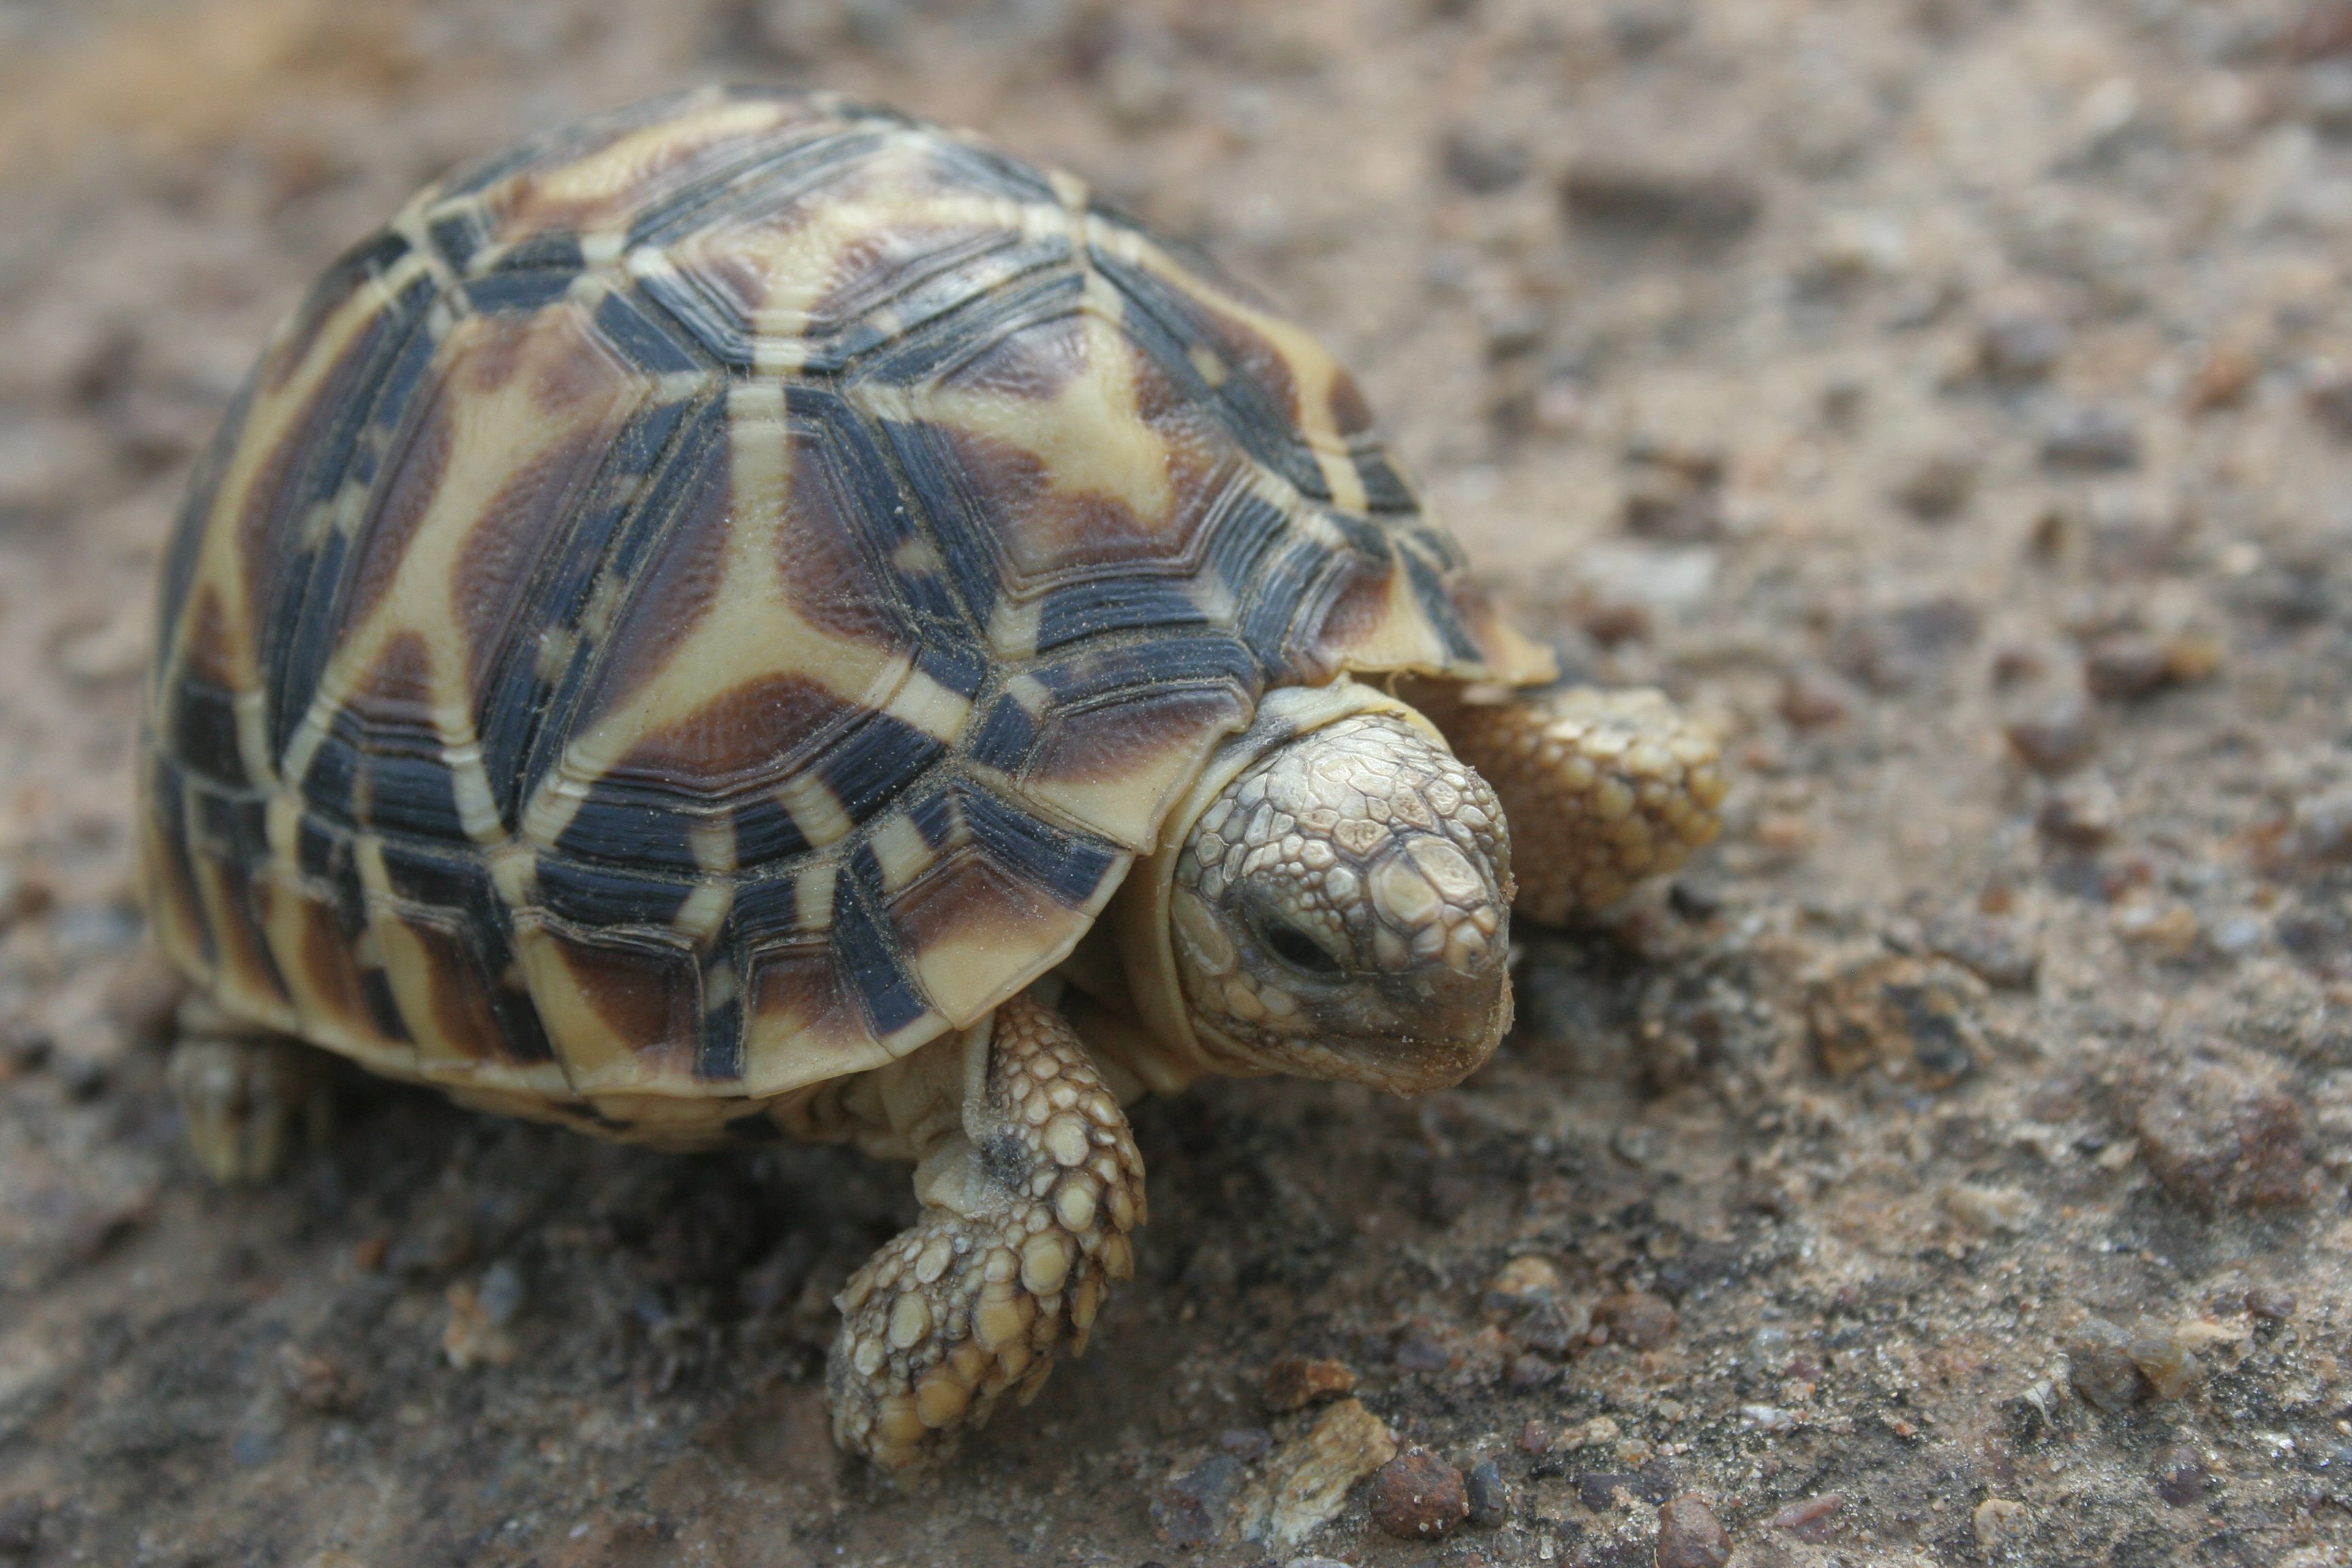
(1342, 909)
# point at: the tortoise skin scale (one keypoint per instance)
(714, 597)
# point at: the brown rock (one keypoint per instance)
(1914, 1018)
(1418, 1496)
(2180, 1473)
(1938, 487)
(2101, 1366)
(2215, 1142)
(1810, 1520)
(2055, 739)
(1293, 1381)
(1636, 1318)
(1639, 200)
(1690, 1536)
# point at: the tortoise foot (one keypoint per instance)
(246, 1100)
(1602, 789)
(1026, 1223)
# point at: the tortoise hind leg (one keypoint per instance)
(1602, 789)
(1029, 1192)
(247, 1094)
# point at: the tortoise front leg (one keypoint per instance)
(1602, 789)
(1028, 1197)
(247, 1094)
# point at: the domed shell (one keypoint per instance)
(713, 596)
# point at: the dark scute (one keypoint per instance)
(409, 793)
(765, 909)
(699, 318)
(1069, 867)
(629, 329)
(765, 833)
(1108, 604)
(596, 895)
(186, 545)
(1106, 668)
(457, 236)
(202, 731)
(764, 179)
(553, 252)
(1384, 489)
(1292, 591)
(961, 669)
(519, 706)
(231, 828)
(439, 879)
(720, 1057)
(1438, 606)
(868, 767)
(1238, 540)
(626, 827)
(1004, 737)
(862, 940)
(516, 291)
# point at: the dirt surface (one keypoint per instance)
(1953, 398)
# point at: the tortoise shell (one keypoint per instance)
(717, 595)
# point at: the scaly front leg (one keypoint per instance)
(1028, 1199)
(1602, 789)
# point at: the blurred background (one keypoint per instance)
(1952, 399)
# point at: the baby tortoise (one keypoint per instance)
(757, 616)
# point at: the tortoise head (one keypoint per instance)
(1341, 909)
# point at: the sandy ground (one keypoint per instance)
(1953, 398)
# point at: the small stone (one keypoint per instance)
(1913, 1018)
(1417, 1495)
(1636, 1318)
(1489, 1493)
(2330, 402)
(2322, 826)
(2023, 345)
(1526, 1374)
(2000, 1523)
(2223, 380)
(2215, 1143)
(1534, 1438)
(1813, 698)
(1305, 1481)
(2101, 1366)
(2096, 438)
(1907, 647)
(1190, 1511)
(314, 1381)
(2171, 1367)
(474, 1336)
(1810, 1520)
(2081, 815)
(1670, 508)
(1293, 1381)
(2270, 1303)
(1938, 487)
(1996, 951)
(1654, 202)
(1690, 1536)
(1483, 163)
(2124, 666)
(2166, 931)
(20, 1526)
(2055, 739)
(1247, 1444)
(1988, 1210)
(2180, 1473)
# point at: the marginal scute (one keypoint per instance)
(805, 554)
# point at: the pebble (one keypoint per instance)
(2098, 437)
(2271, 1303)
(2215, 1143)
(2180, 1473)
(1489, 1493)
(2055, 739)
(1690, 1536)
(1938, 487)
(1247, 1444)
(1908, 647)
(2101, 1367)
(2021, 345)
(1483, 163)
(1534, 1438)
(1999, 1523)
(1809, 1520)
(1634, 1318)
(2124, 666)
(1913, 1018)
(475, 1334)
(1190, 1511)
(20, 1526)
(2081, 815)
(1308, 1479)
(2171, 1367)
(1295, 1382)
(2322, 826)
(1417, 1495)
(1988, 1210)
(1650, 201)
(1996, 951)
(1814, 698)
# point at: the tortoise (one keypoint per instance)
(757, 616)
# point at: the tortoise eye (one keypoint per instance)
(1298, 950)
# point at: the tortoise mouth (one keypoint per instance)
(1375, 1051)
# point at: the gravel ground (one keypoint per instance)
(1953, 398)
